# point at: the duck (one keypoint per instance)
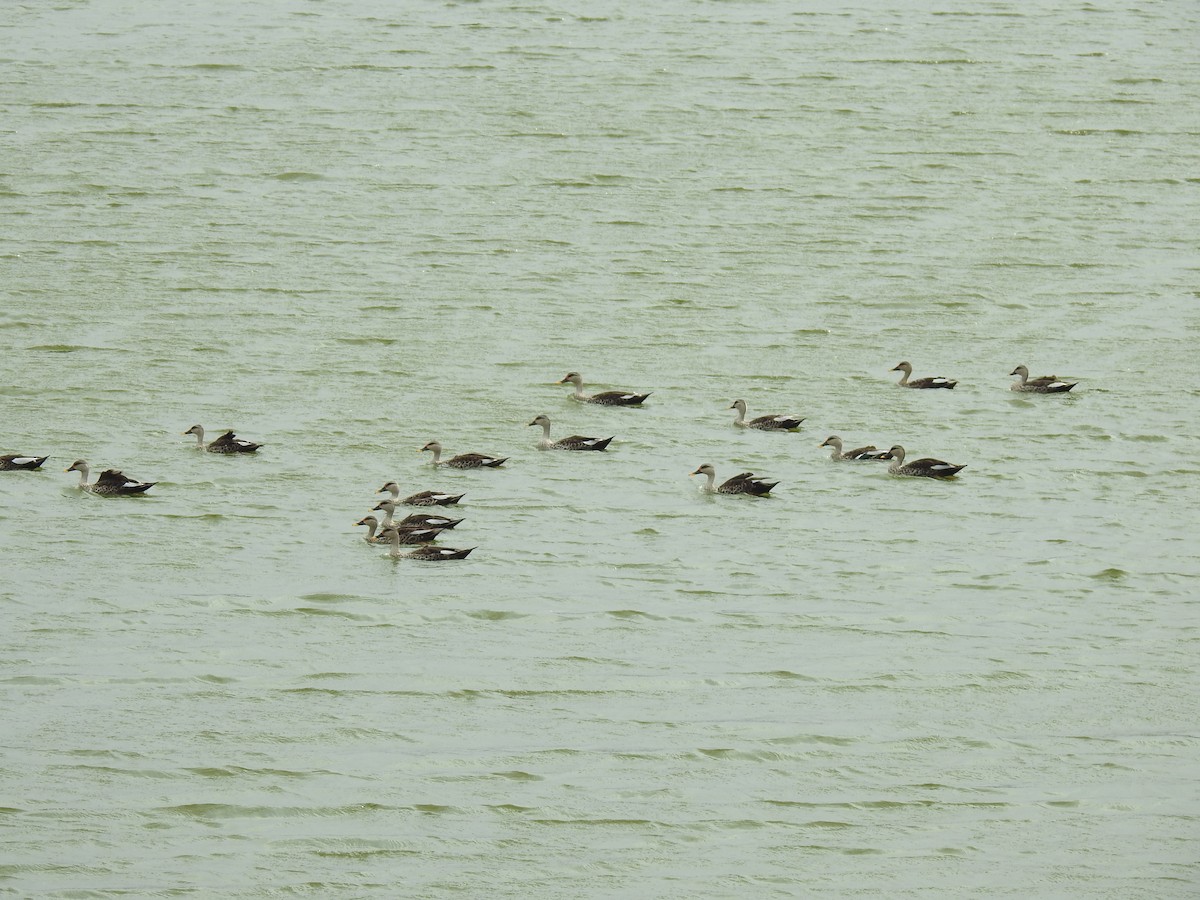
(936, 381)
(925, 468)
(764, 423)
(416, 520)
(226, 443)
(426, 551)
(407, 535)
(574, 442)
(605, 398)
(421, 498)
(858, 453)
(372, 524)
(12, 462)
(1043, 384)
(110, 482)
(464, 460)
(745, 483)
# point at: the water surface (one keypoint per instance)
(345, 229)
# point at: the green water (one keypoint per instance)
(346, 229)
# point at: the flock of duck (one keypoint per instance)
(422, 529)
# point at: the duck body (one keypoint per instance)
(14, 462)
(427, 520)
(231, 443)
(764, 423)
(574, 442)
(395, 537)
(432, 498)
(464, 460)
(936, 381)
(922, 468)
(422, 498)
(743, 483)
(604, 398)
(439, 554)
(110, 482)
(226, 443)
(870, 452)
(1043, 384)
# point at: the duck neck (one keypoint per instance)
(83, 476)
(741, 415)
(579, 394)
(387, 516)
(199, 433)
(1023, 375)
(897, 461)
(437, 454)
(904, 373)
(545, 443)
(837, 449)
(394, 537)
(711, 480)
(371, 526)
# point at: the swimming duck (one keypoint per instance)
(407, 535)
(859, 453)
(422, 498)
(926, 468)
(764, 423)
(574, 442)
(226, 443)
(936, 381)
(11, 462)
(372, 525)
(745, 483)
(110, 482)
(416, 520)
(1043, 384)
(426, 551)
(464, 460)
(604, 398)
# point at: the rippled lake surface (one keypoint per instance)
(345, 229)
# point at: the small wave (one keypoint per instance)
(332, 613)
(786, 675)
(72, 348)
(633, 614)
(240, 771)
(234, 811)
(216, 679)
(297, 176)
